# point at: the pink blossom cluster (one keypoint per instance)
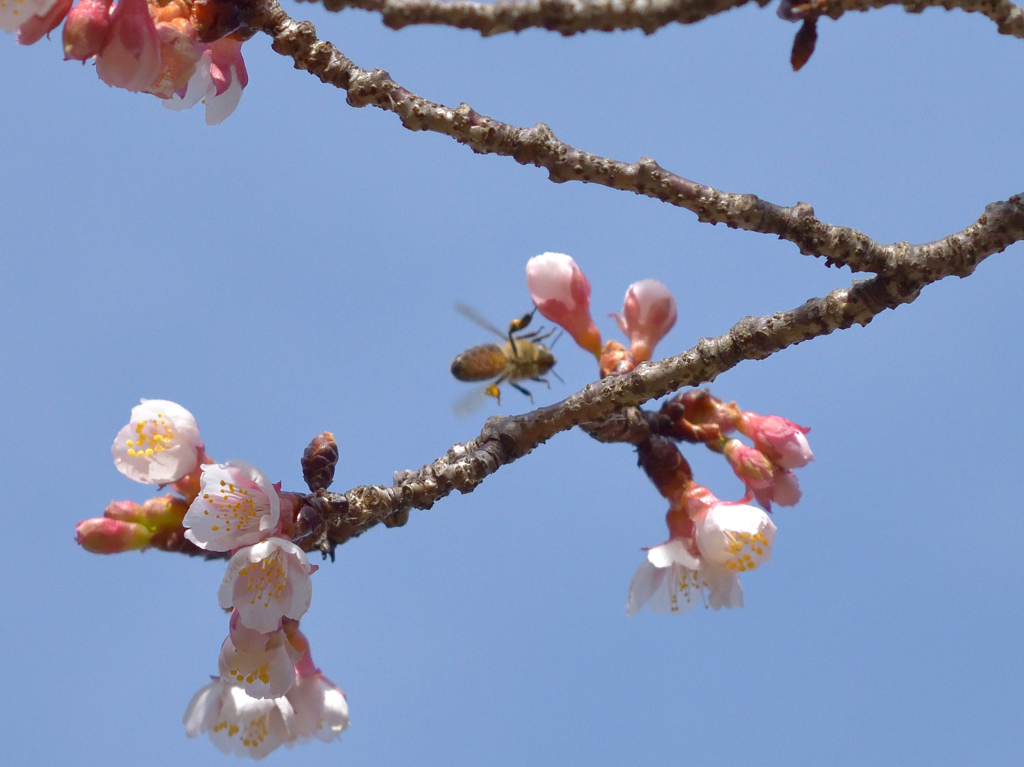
(712, 541)
(147, 47)
(562, 294)
(269, 692)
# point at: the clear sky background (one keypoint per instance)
(295, 270)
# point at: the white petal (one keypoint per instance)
(724, 589)
(219, 108)
(203, 709)
(197, 87)
(644, 583)
(672, 552)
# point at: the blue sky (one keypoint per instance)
(295, 270)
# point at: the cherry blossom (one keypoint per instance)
(321, 710)
(267, 582)
(237, 722)
(674, 580)
(735, 536)
(236, 506)
(648, 314)
(781, 440)
(261, 664)
(160, 444)
(130, 57)
(562, 294)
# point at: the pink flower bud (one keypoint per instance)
(37, 27)
(126, 511)
(562, 294)
(648, 313)
(111, 536)
(750, 464)
(130, 57)
(782, 441)
(786, 488)
(86, 28)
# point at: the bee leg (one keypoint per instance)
(493, 391)
(543, 381)
(519, 388)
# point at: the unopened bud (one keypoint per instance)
(86, 28)
(130, 57)
(111, 536)
(319, 460)
(126, 511)
(781, 440)
(648, 313)
(163, 512)
(562, 294)
(749, 463)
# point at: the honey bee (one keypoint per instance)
(522, 357)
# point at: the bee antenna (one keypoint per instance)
(552, 371)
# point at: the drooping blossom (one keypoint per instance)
(734, 536)
(237, 722)
(262, 664)
(86, 29)
(648, 314)
(781, 440)
(130, 57)
(220, 75)
(37, 27)
(667, 581)
(237, 506)
(267, 582)
(103, 535)
(562, 294)
(321, 710)
(160, 444)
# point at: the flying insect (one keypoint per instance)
(523, 357)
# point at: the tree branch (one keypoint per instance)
(571, 17)
(999, 227)
(902, 270)
(332, 518)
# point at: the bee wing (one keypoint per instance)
(470, 402)
(472, 315)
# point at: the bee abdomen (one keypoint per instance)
(479, 363)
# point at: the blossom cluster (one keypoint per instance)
(269, 692)
(710, 541)
(146, 47)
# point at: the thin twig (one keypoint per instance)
(571, 17)
(540, 147)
